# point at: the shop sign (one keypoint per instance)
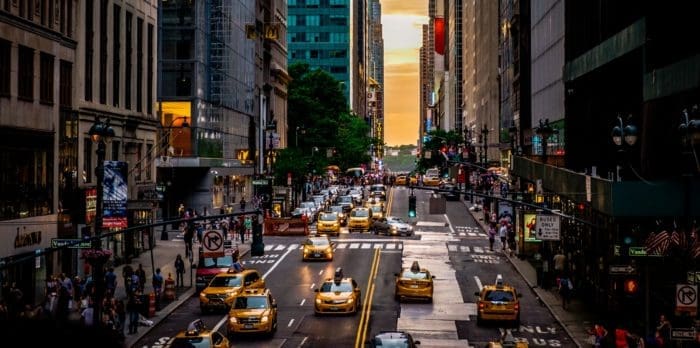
(25, 239)
(74, 243)
(90, 205)
(260, 182)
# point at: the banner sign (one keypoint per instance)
(114, 193)
(90, 205)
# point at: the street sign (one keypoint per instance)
(547, 227)
(79, 243)
(260, 182)
(213, 244)
(622, 269)
(683, 333)
(686, 299)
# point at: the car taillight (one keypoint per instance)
(481, 305)
(517, 306)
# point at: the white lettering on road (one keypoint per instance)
(532, 329)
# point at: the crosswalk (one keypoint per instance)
(469, 249)
(469, 232)
(341, 245)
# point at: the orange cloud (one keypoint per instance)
(408, 7)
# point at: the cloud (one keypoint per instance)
(406, 7)
(401, 31)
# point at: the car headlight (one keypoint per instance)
(318, 301)
(329, 250)
(351, 300)
(232, 320)
(202, 296)
(264, 319)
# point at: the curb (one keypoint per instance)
(536, 289)
(165, 311)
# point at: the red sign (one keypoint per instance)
(439, 25)
(90, 205)
(289, 179)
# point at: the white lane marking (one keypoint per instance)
(472, 234)
(452, 230)
(366, 245)
(313, 285)
(401, 246)
(452, 247)
(280, 247)
(294, 246)
(341, 245)
(430, 223)
(291, 321)
(268, 247)
(378, 245)
(498, 276)
(302, 342)
(478, 282)
(354, 245)
(390, 245)
(223, 320)
(478, 249)
(303, 300)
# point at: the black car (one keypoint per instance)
(450, 192)
(342, 213)
(399, 339)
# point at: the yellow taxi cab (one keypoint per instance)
(337, 295)
(253, 311)
(432, 181)
(328, 222)
(198, 335)
(414, 179)
(400, 180)
(317, 247)
(377, 211)
(224, 287)
(498, 302)
(360, 219)
(414, 283)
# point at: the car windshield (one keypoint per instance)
(345, 199)
(333, 287)
(307, 205)
(360, 213)
(319, 241)
(191, 342)
(225, 282)
(395, 219)
(376, 209)
(250, 302)
(218, 262)
(499, 296)
(329, 217)
(337, 209)
(414, 275)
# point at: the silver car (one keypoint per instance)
(392, 226)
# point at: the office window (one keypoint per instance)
(339, 3)
(25, 72)
(313, 21)
(149, 160)
(5, 62)
(149, 73)
(87, 160)
(43, 7)
(291, 21)
(104, 6)
(6, 5)
(312, 3)
(46, 78)
(139, 64)
(65, 92)
(116, 52)
(291, 3)
(89, 45)
(115, 150)
(128, 61)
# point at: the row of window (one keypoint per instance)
(134, 52)
(317, 20)
(318, 3)
(25, 75)
(54, 14)
(320, 37)
(318, 54)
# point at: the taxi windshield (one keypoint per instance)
(414, 275)
(329, 217)
(250, 302)
(333, 287)
(225, 281)
(319, 241)
(190, 342)
(499, 296)
(360, 213)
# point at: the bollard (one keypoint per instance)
(151, 304)
(169, 288)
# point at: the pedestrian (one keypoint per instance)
(188, 237)
(127, 273)
(157, 283)
(132, 307)
(664, 328)
(559, 261)
(598, 334)
(242, 203)
(179, 271)
(621, 337)
(492, 235)
(111, 280)
(141, 273)
(241, 231)
(503, 234)
(565, 288)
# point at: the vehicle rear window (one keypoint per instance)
(417, 275)
(499, 296)
(219, 262)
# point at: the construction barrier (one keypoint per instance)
(286, 227)
(169, 293)
(151, 304)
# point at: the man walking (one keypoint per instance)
(503, 235)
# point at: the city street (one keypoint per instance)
(451, 246)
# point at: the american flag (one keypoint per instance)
(658, 243)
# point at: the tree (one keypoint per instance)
(435, 142)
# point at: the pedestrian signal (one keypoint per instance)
(631, 286)
(411, 206)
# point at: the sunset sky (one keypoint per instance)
(402, 23)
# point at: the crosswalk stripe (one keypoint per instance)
(390, 245)
(451, 247)
(341, 245)
(366, 245)
(464, 248)
(378, 245)
(354, 245)
(268, 247)
(281, 247)
(471, 234)
(293, 246)
(478, 249)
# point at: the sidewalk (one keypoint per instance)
(575, 320)
(164, 255)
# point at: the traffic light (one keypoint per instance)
(412, 206)
(631, 286)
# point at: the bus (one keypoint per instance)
(356, 172)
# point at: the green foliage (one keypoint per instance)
(319, 116)
(434, 141)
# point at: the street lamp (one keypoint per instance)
(296, 135)
(545, 130)
(100, 133)
(621, 132)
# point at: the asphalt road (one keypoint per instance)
(451, 245)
